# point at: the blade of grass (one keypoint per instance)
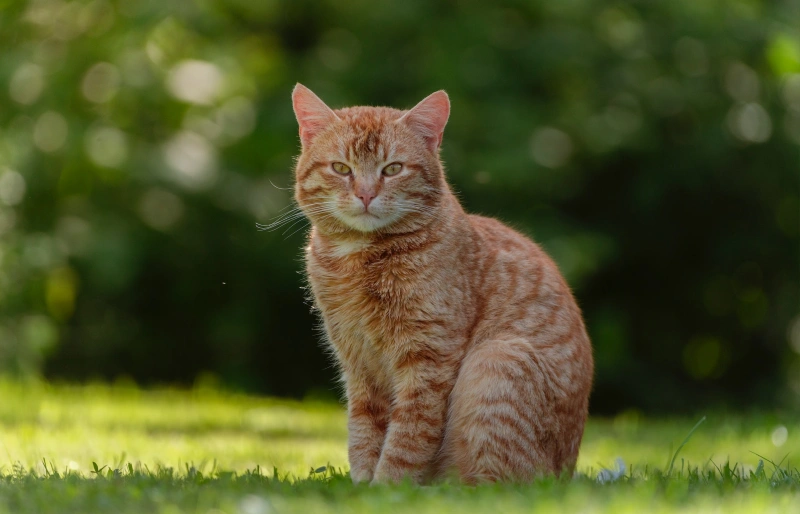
(776, 466)
(686, 440)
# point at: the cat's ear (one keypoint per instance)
(429, 117)
(312, 114)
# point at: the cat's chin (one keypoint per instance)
(367, 222)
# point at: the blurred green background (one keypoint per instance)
(653, 148)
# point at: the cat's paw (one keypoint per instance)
(385, 475)
(361, 475)
(381, 477)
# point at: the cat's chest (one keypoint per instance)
(356, 318)
(362, 300)
(359, 292)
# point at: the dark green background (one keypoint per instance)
(651, 147)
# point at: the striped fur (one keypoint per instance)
(461, 348)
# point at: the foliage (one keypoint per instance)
(123, 449)
(651, 147)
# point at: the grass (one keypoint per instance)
(212, 452)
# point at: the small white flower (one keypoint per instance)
(612, 475)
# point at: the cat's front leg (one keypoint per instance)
(368, 416)
(417, 421)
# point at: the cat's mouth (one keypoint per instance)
(364, 212)
(366, 220)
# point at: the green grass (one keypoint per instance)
(211, 452)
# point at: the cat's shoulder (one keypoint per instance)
(507, 244)
(495, 230)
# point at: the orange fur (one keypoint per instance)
(460, 345)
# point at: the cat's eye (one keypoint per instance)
(392, 169)
(341, 168)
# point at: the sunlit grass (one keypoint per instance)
(205, 448)
(74, 426)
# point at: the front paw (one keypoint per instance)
(360, 475)
(381, 479)
(388, 475)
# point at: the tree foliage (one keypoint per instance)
(650, 147)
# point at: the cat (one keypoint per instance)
(462, 351)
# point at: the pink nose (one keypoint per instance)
(366, 198)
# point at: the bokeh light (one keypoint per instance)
(12, 187)
(101, 82)
(50, 132)
(192, 161)
(161, 209)
(107, 146)
(195, 81)
(551, 147)
(26, 84)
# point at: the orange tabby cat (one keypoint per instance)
(461, 347)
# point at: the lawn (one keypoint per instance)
(212, 452)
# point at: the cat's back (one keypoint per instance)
(521, 290)
(510, 251)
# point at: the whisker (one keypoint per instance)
(295, 223)
(281, 188)
(298, 209)
(292, 217)
(294, 207)
(296, 231)
(326, 217)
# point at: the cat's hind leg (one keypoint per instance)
(513, 414)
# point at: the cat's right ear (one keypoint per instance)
(312, 114)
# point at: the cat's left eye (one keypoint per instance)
(392, 169)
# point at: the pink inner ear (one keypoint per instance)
(312, 114)
(429, 118)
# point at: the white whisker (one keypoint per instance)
(281, 188)
(293, 216)
(325, 217)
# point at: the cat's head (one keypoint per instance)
(369, 169)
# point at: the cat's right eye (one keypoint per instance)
(341, 168)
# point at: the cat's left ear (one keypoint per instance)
(429, 117)
(312, 114)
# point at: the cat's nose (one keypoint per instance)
(366, 197)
